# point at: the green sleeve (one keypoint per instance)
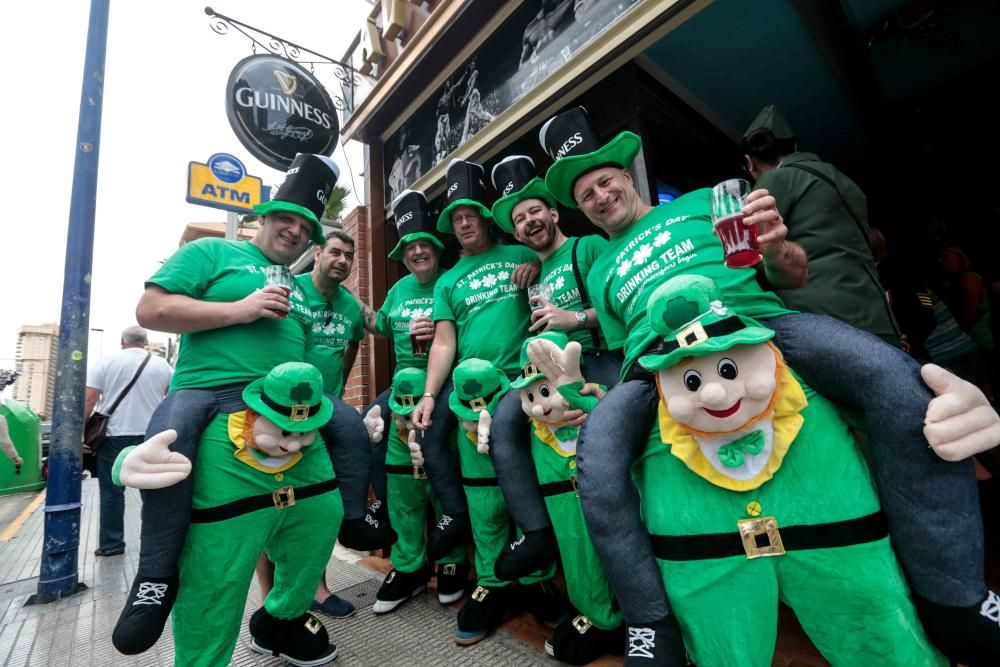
(593, 247)
(442, 302)
(571, 392)
(357, 325)
(116, 467)
(189, 270)
(611, 326)
(382, 316)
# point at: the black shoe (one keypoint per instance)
(968, 635)
(447, 534)
(535, 550)
(451, 582)
(545, 602)
(399, 587)
(146, 611)
(366, 534)
(482, 613)
(301, 641)
(656, 644)
(577, 642)
(109, 552)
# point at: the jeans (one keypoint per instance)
(439, 460)
(112, 532)
(931, 505)
(376, 471)
(166, 513)
(510, 445)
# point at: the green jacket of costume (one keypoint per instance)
(843, 281)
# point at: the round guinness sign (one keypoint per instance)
(278, 109)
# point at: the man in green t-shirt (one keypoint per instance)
(927, 501)
(480, 311)
(235, 328)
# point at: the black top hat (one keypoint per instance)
(412, 221)
(466, 187)
(308, 183)
(515, 181)
(512, 173)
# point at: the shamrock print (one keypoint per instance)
(644, 252)
(559, 283)
(475, 283)
(489, 280)
(661, 239)
(503, 275)
(624, 267)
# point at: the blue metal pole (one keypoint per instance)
(59, 573)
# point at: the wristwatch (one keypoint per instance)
(581, 319)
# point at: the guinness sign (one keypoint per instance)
(278, 109)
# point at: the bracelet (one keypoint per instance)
(428, 395)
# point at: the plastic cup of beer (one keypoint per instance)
(539, 295)
(419, 347)
(280, 275)
(739, 242)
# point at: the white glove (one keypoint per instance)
(374, 424)
(960, 422)
(416, 454)
(483, 432)
(151, 465)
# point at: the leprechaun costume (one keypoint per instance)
(753, 491)
(247, 501)
(583, 638)
(410, 496)
(479, 385)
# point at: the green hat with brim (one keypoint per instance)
(771, 118)
(692, 320)
(444, 220)
(291, 396)
(530, 372)
(276, 206)
(479, 385)
(407, 388)
(398, 252)
(503, 208)
(412, 221)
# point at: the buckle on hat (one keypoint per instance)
(313, 625)
(406, 400)
(765, 526)
(448, 569)
(581, 624)
(529, 370)
(299, 412)
(419, 473)
(477, 404)
(480, 593)
(283, 497)
(692, 335)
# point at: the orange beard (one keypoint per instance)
(779, 368)
(248, 421)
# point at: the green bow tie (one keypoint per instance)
(566, 433)
(731, 455)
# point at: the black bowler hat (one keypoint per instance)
(571, 142)
(412, 220)
(308, 183)
(465, 188)
(515, 180)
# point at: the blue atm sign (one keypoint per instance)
(223, 183)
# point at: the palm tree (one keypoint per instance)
(336, 204)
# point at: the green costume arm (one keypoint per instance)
(116, 469)
(577, 401)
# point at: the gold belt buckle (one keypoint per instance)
(419, 472)
(751, 529)
(313, 624)
(576, 489)
(581, 624)
(283, 497)
(448, 569)
(480, 593)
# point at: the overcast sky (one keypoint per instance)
(164, 106)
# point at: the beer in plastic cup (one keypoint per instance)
(539, 295)
(280, 275)
(419, 347)
(739, 242)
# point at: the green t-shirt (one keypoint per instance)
(407, 300)
(336, 324)
(557, 270)
(670, 240)
(490, 314)
(212, 269)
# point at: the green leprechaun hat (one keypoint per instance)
(771, 118)
(412, 221)
(465, 188)
(291, 396)
(515, 180)
(530, 372)
(407, 389)
(479, 385)
(308, 183)
(688, 312)
(569, 139)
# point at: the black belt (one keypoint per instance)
(417, 472)
(479, 481)
(281, 498)
(556, 488)
(820, 536)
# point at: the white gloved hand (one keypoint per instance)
(151, 465)
(483, 432)
(416, 454)
(374, 424)
(960, 422)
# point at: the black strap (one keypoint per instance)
(794, 538)
(584, 295)
(399, 469)
(723, 327)
(479, 481)
(285, 410)
(556, 488)
(254, 503)
(128, 387)
(487, 398)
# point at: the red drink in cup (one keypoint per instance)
(739, 242)
(419, 347)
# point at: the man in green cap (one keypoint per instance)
(827, 214)
(235, 329)
(927, 500)
(479, 386)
